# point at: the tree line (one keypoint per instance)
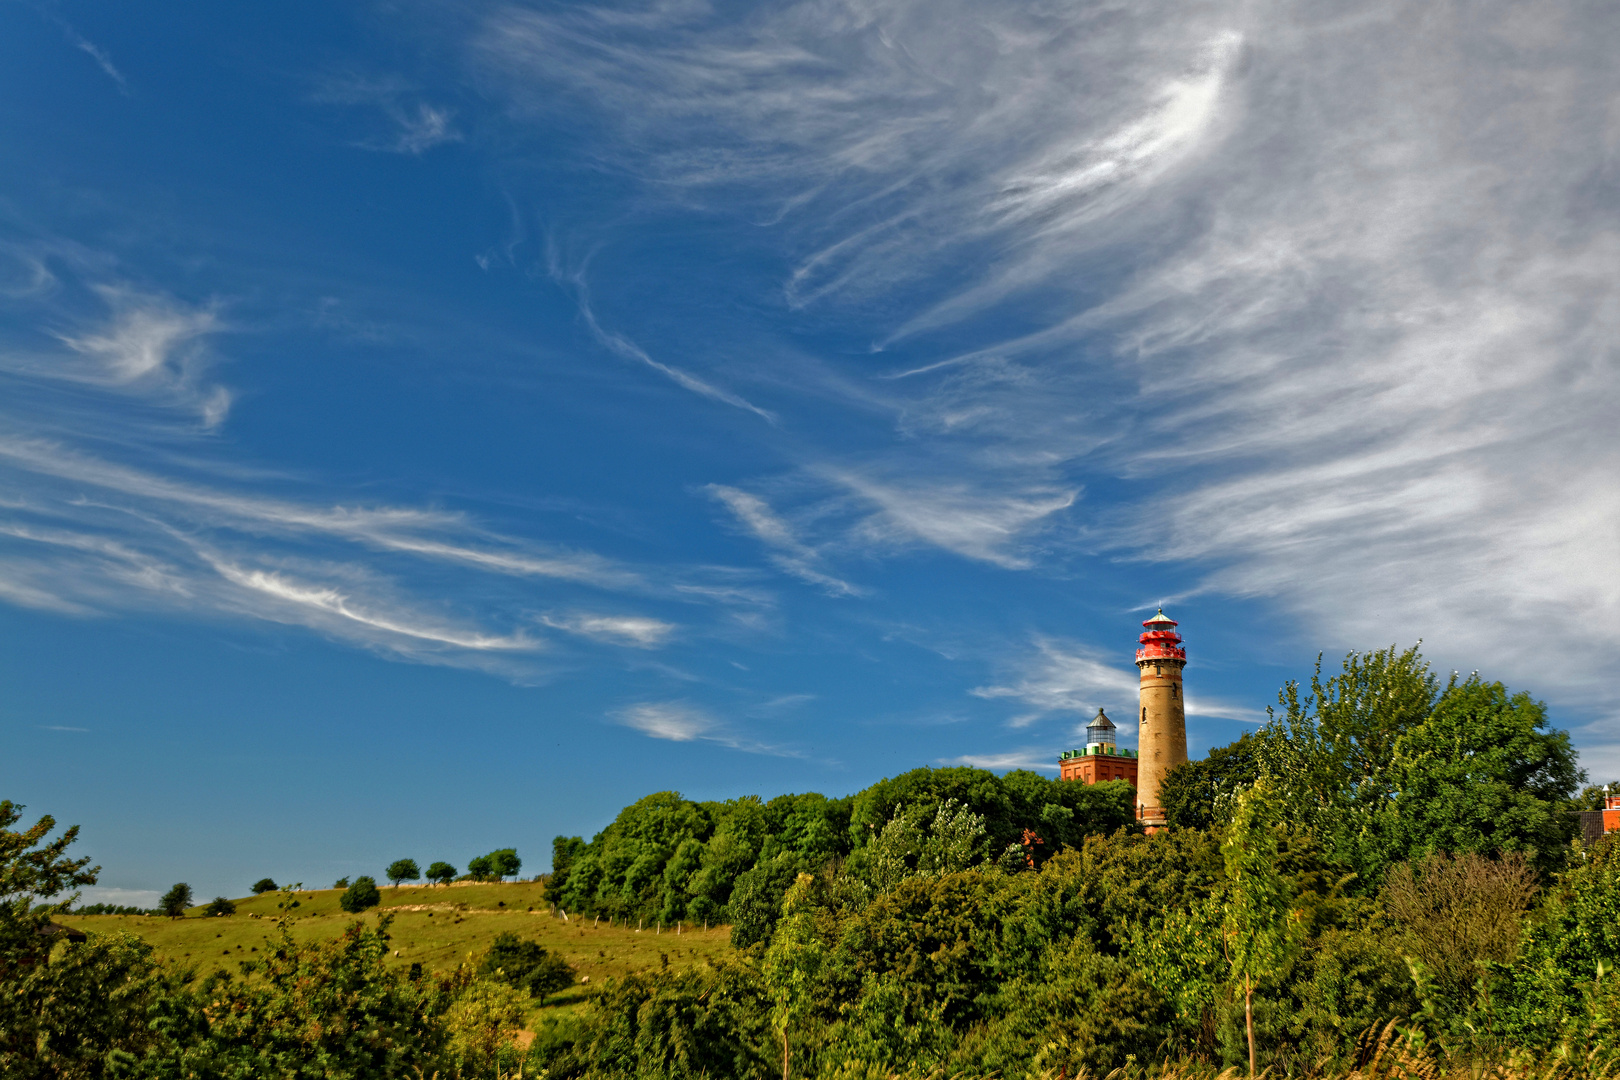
(358, 895)
(1386, 870)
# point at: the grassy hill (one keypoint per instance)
(435, 926)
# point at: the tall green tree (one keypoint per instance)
(441, 873)
(1256, 930)
(504, 863)
(1483, 772)
(1382, 764)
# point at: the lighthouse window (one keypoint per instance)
(1144, 714)
(1175, 690)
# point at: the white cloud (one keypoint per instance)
(679, 721)
(961, 518)
(415, 126)
(636, 630)
(1066, 677)
(306, 599)
(1016, 759)
(668, 720)
(423, 128)
(104, 894)
(146, 346)
(622, 346)
(791, 555)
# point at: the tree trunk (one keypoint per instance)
(784, 1053)
(1248, 1018)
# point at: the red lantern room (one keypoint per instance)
(1160, 640)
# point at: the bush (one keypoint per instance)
(264, 885)
(483, 1026)
(527, 965)
(341, 883)
(220, 906)
(359, 896)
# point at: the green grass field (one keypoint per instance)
(437, 927)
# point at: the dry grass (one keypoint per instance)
(435, 927)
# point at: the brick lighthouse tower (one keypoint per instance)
(1163, 742)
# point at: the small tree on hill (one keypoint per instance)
(441, 873)
(359, 896)
(176, 900)
(480, 868)
(264, 885)
(220, 906)
(505, 863)
(403, 870)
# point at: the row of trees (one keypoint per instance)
(498, 865)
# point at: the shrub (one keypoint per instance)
(220, 906)
(527, 965)
(359, 896)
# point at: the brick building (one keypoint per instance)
(1101, 759)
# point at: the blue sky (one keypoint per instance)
(426, 428)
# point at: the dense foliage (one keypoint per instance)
(666, 858)
(1389, 855)
(361, 895)
(527, 966)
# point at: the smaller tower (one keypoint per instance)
(1101, 759)
(1100, 733)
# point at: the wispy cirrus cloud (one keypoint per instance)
(639, 631)
(1335, 291)
(1064, 677)
(95, 52)
(139, 345)
(1030, 758)
(414, 126)
(680, 721)
(620, 345)
(672, 720)
(788, 552)
(107, 506)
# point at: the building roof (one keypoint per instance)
(1161, 617)
(1101, 721)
